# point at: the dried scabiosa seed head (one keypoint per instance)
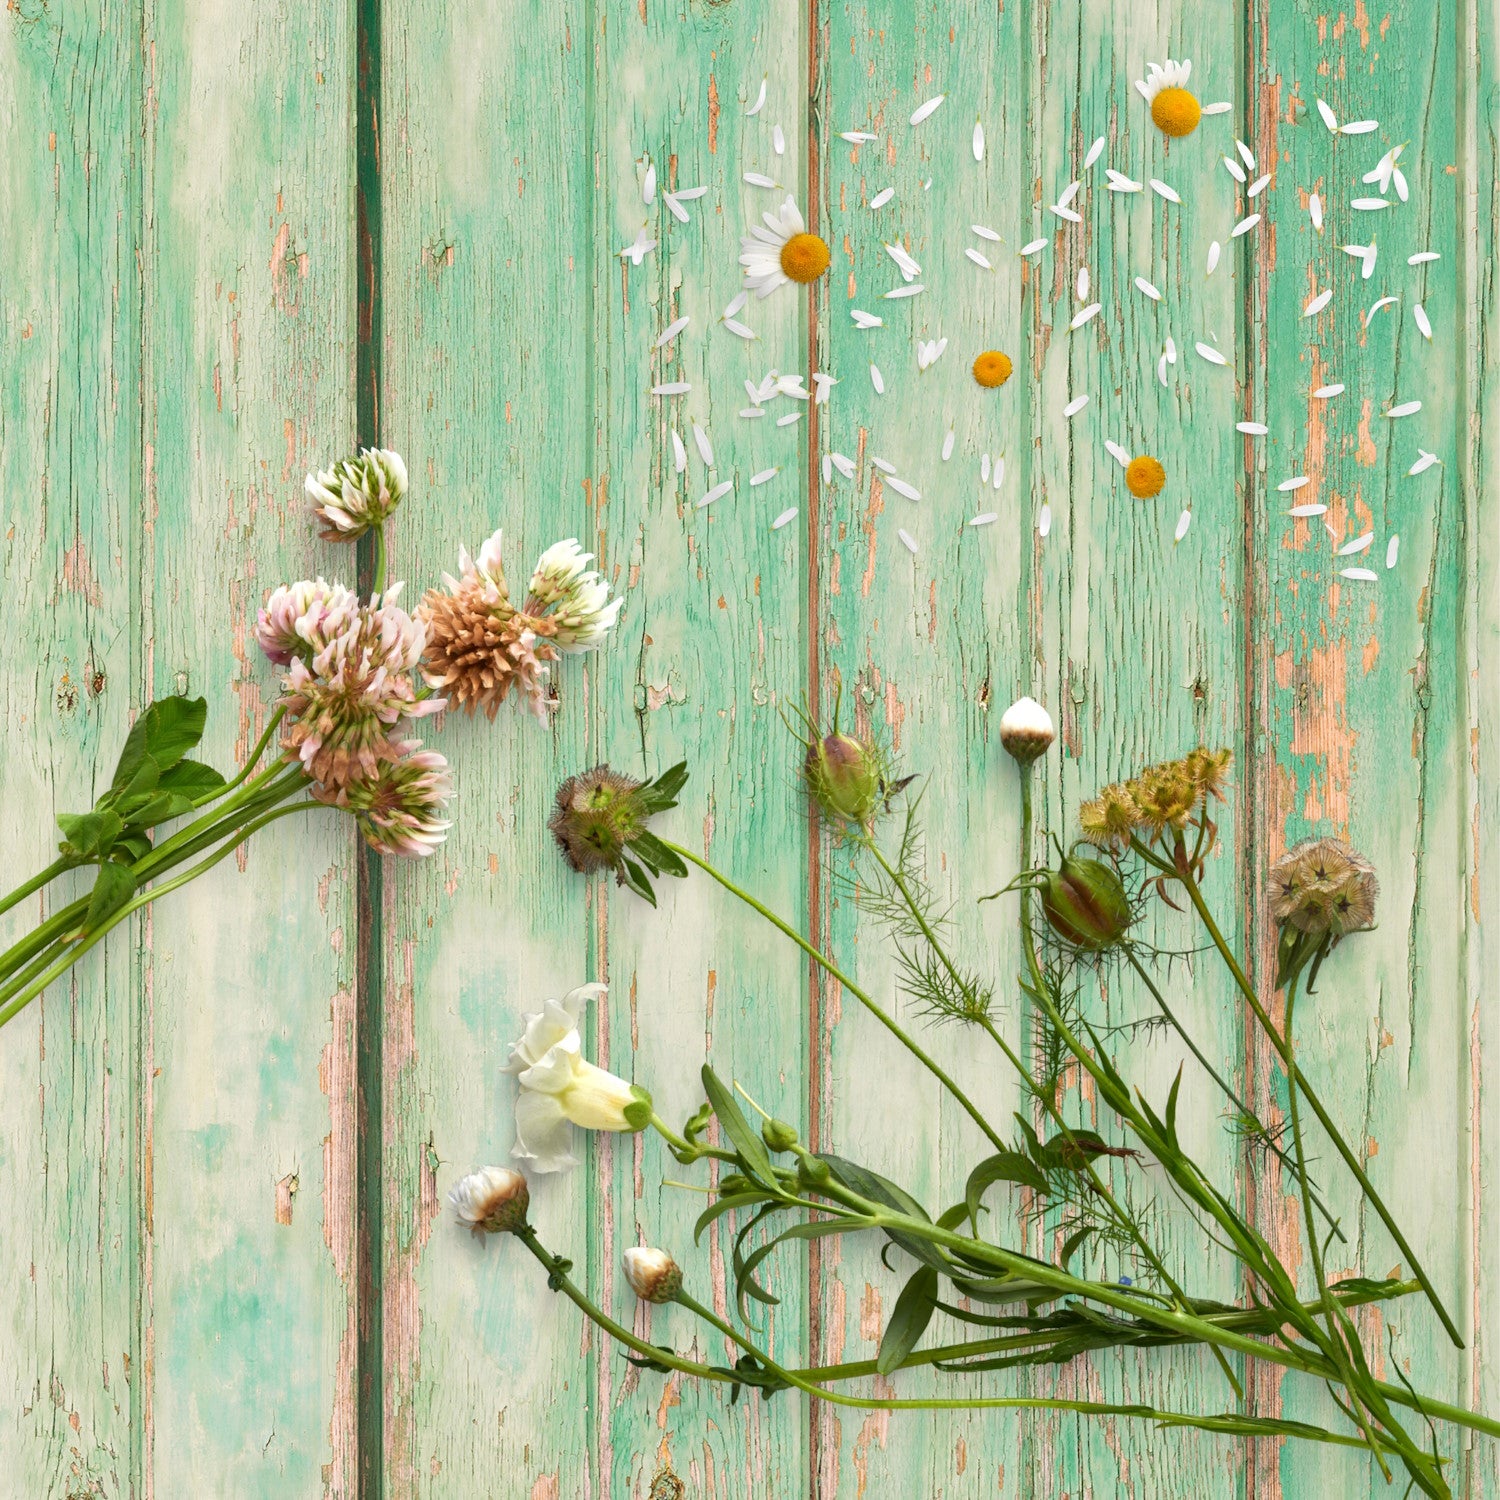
(357, 494)
(493, 1200)
(1324, 886)
(600, 820)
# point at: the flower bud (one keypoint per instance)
(1085, 903)
(845, 777)
(778, 1135)
(813, 1171)
(492, 1200)
(653, 1275)
(1026, 729)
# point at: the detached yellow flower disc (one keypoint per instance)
(805, 257)
(1145, 477)
(1176, 112)
(992, 369)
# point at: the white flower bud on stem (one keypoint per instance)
(653, 1275)
(1026, 729)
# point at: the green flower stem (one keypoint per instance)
(238, 800)
(1096, 1180)
(843, 979)
(252, 760)
(687, 1150)
(1195, 895)
(380, 559)
(42, 936)
(18, 1002)
(1249, 1114)
(59, 866)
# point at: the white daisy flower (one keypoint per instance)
(782, 251)
(1174, 110)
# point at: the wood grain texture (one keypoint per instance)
(178, 323)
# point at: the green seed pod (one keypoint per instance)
(1085, 903)
(811, 1172)
(733, 1182)
(845, 777)
(778, 1135)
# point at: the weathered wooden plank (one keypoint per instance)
(485, 366)
(245, 1058)
(1368, 727)
(712, 652)
(69, 375)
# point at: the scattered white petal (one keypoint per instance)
(827, 468)
(1211, 354)
(739, 330)
(1244, 226)
(1392, 551)
(1252, 429)
(1214, 251)
(687, 195)
(762, 477)
(1044, 521)
(1422, 257)
(1405, 409)
(1423, 325)
(906, 540)
(751, 412)
(1120, 183)
(1117, 453)
(909, 269)
(1363, 575)
(1218, 107)
(922, 111)
(1032, 246)
(705, 448)
(671, 388)
(1081, 286)
(778, 140)
(998, 477)
(736, 303)
(948, 446)
(1303, 512)
(1287, 485)
(671, 331)
(913, 290)
(1183, 522)
(1093, 153)
(884, 465)
(1064, 212)
(877, 380)
(1145, 287)
(1246, 154)
(759, 179)
(637, 251)
(1075, 406)
(1315, 211)
(864, 319)
(978, 141)
(679, 453)
(783, 518)
(716, 493)
(1083, 316)
(883, 197)
(1359, 127)
(1161, 188)
(986, 233)
(984, 468)
(977, 258)
(1329, 118)
(1069, 193)
(1376, 306)
(844, 465)
(760, 99)
(789, 418)
(1257, 187)
(901, 487)
(674, 208)
(1369, 205)
(1424, 462)
(822, 384)
(1161, 368)
(857, 137)
(1403, 192)
(1327, 392)
(1234, 169)
(1359, 544)
(1318, 303)
(984, 518)
(648, 186)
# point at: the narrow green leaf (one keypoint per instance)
(634, 878)
(726, 1204)
(663, 860)
(909, 1319)
(1004, 1166)
(747, 1142)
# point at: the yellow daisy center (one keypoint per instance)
(804, 257)
(992, 368)
(1175, 111)
(1145, 477)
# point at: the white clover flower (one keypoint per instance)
(399, 809)
(357, 494)
(782, 251)
(653, 1275)
(1026, 729)
(299, 619)
(560, 1088)
(569, 601)
(492, 1200)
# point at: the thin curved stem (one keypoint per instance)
(252, 760)
(832, 969)
(59, 866)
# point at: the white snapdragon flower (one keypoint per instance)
(560, 1088)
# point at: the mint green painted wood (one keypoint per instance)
(69, 371)
(246, 1100)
